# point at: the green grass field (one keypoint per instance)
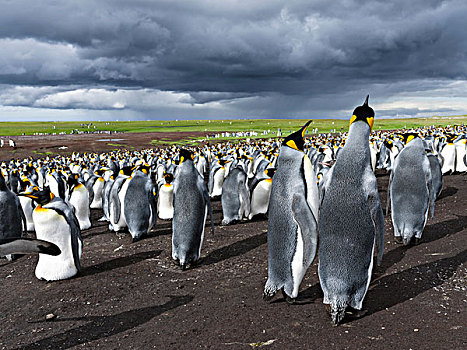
(213, 126)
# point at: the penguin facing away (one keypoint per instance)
(411, 191)
(55, 222)
(292, 222)
(191, 206)
(140, 208)
(235, 196)
(350, 221)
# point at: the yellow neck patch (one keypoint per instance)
(410, 138)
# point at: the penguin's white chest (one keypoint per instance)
(165, 206)
(26, 204)
(218, 182)
(260, 198)
(460, 154)
(449, 155)
(98, 187)
(79, 199)
(53, 227)
(121, 223)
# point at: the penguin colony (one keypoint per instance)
(319, 194)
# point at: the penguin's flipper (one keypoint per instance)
(152, 201)
(23, 217)
(376, 211)
(26, 246)
(429, 184)
(389, 191)
(89, 184)
(64, 210)
(202, 188)
(245, 195)
(308, 225)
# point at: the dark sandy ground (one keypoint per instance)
(131, 296)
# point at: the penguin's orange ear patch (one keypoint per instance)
(354, 117)
(292, 144)
(370, 122)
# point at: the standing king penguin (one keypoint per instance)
(411, 190)
(350, 221)
(292, 223)
(191, 206)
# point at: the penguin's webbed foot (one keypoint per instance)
(398, 239)
(354, 313)
(183, 267)
(416, 241)
(289, 300)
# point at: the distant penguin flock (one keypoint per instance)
(318, 192)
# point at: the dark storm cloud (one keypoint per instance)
(269, 58)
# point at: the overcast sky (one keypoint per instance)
(173, 59)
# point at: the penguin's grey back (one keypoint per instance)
(346, 229)
(409, 192)
(189, 210)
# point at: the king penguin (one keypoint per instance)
(292, 223)
(12, 216)
(78, 197)
(350, 221)
(235, 196)
(260, 193)
(55, 222)
(165, 205)
(191, 206)
(411, 191)
(140, 208)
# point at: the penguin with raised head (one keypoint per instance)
(55, 222)
(140, 208)
(165, 205)
(12, 219)
(235, 196)
(191, 206)
(260, 193)
(350, 221)
(411, 190)
(292, 220)
(9, 246)
(78, 197)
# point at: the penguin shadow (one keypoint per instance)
(233, 250)
(160, 230)
(447, 192)
(97, 327)
(118, 262)
(307, 296)
(399, 287)
(431, 233)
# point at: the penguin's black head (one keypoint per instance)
(450, 138)
(270, 172)
(126, 170)
(73, 180)
(40, 197)
(144, 168)
(408, 136)
(295, 140)
(185, 154)
(363, 113)
(168, 177)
